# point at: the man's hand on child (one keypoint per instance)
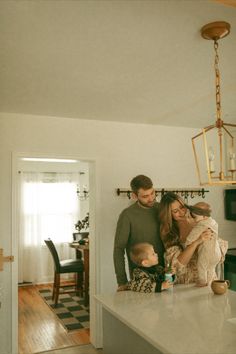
(123, 287)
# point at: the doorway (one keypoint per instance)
(55, 166)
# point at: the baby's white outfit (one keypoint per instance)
(209, 253)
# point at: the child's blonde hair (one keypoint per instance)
(139, 252)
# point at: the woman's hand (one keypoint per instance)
(205, 236)
(185, 256)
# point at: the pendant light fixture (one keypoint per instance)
(214, 147)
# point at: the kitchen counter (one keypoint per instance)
(182, 320)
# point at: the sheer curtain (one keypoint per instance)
(49, 207)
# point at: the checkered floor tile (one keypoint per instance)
(69, 310)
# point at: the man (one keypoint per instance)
(137, 223)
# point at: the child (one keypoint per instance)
(209, 253)
(147, 277)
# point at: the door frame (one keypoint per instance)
(94, 276)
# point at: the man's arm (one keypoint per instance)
(121, 240)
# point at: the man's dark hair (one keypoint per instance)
(140, 181)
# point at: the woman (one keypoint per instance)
(175, 225)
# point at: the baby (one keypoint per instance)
(209, 253)
(148, 276)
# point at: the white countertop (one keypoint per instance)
(182, 320)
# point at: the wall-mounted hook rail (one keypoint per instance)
(183, 192)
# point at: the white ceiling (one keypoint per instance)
(116, 60)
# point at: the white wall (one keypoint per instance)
(120, 152)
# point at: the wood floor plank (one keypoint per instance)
(82, 349)
(39, 329)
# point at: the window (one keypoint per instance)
(51, 209)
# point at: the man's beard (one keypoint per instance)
(149, 205)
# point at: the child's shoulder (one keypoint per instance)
(137, 272)
(160, 269)
(141, 273)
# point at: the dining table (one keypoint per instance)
(82, 252)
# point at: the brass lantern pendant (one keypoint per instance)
(214, 148)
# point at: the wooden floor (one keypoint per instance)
(82, 349)
(39, 329)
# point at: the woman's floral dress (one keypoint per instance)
(186, 274)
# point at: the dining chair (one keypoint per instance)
(63, 267)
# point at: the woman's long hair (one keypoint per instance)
(168, 227)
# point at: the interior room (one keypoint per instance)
(53, 199)
(120, 87)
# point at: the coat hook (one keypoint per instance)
(186, 195)
(203, 193)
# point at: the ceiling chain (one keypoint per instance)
(217, 72)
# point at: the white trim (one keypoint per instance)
(95, 311)
(14, 251)
(40, 159)
(95, 273)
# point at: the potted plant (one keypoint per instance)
(81, 226)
